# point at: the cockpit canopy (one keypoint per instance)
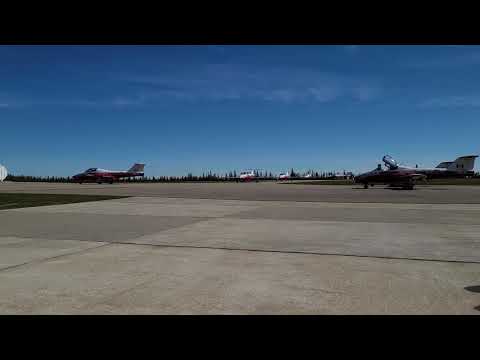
(91, 170)
(390, 162)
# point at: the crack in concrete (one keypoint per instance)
(38, 261)
(299, 252)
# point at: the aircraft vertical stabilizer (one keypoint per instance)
(137, 168)
(463, 163)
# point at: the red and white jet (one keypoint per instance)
(248, 175)
(284, 176)
(108, 176)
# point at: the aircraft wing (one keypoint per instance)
(106, 177)
(420, 177)
(415, 177)
(404, 178)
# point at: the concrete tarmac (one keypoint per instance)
(263, 191)
(195, 249)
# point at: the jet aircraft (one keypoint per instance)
(407, 177)
(108, 176)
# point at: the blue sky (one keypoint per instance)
(186, 109)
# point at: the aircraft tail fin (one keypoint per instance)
(137, 168)
(463, 163)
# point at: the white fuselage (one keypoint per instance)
(247, 175)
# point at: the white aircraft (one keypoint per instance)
(248, 175)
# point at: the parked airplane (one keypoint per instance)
(249, 175)
(284, 176)
(102, 175)
(406, 177)
(308, 175)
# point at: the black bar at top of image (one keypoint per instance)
(268, 25)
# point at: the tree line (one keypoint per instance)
(205, 177)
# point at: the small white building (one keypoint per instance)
(3, 172)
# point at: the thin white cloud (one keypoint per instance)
(125, 101)
(325, 94)
(235, 82)
(284, 95)
(365, 92)
(220, 82)
(455, 59)
(352, 49)
(452, 101)
(216, 48)
(113, 102)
